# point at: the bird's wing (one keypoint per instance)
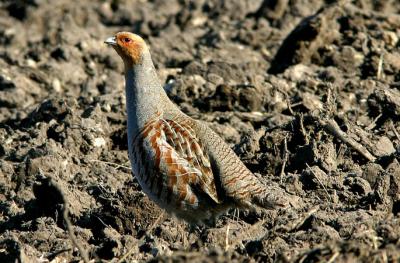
(178, 160)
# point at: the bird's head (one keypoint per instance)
(129, 46)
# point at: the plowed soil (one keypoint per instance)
(306, 92)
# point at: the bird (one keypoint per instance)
(180, 163)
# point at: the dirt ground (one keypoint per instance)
(307, 93)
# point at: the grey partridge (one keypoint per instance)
(180, 163)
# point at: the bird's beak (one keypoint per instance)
(111, 41)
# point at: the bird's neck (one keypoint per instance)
(145, 97)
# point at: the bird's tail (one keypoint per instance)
(270, 197)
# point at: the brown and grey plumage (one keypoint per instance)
(180, 163)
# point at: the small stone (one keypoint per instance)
(348, 59)
(31, 63)
(198, 80)
(312, 102)
(106, 107)
(315, 178)
(390, 38)
(56, 85)
(215, 79)
(386, 101)
(371, 172)
(384, 147)
(83, 45)
(99, 142)
(199, 20)
(6, 81)
(297, 72)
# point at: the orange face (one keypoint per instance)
(129, 46)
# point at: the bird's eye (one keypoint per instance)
(127, 40)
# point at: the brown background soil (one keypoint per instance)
(306, 92)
